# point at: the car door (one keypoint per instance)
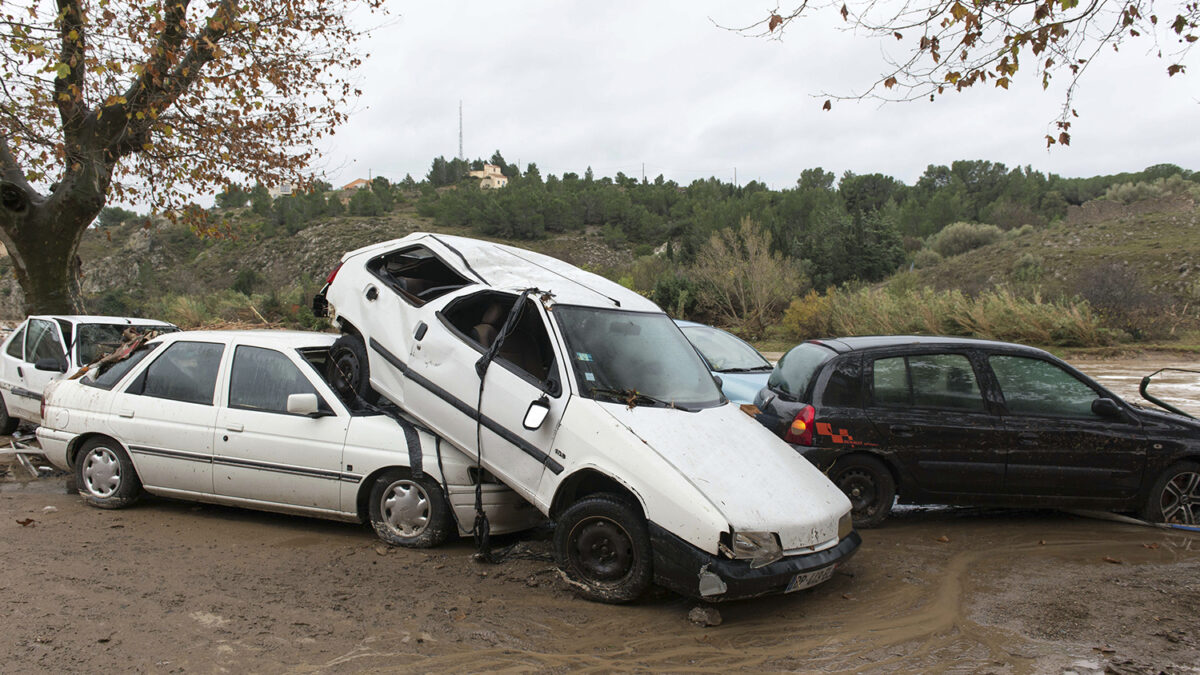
(263, 452)
(43, 340)
(1058, 447)
(929, 410)
(12, 366)
(525, 370)
(165, 416)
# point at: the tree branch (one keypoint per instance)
(68, 87)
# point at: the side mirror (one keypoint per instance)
(719, 381)
(536, 415)
(1106, 407)
(51, 364)
(303, 404)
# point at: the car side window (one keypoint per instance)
(479, 318)
(16, 346)
(42, 342)
(943, 381)
(185, 371)
(1037, 387)
(842, 388)
(262, 379)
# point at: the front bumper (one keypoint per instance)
(680, 566)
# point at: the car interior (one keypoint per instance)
(416, 274)
(480, 317)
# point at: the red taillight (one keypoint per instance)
(329, 279)
(800, 432)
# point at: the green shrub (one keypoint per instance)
(958, 238)
(926, 257)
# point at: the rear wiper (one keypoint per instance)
(634, 398)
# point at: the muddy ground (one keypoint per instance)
(169, 586)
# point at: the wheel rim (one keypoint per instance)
(862, 488)
(405, 508)
(101, 472)
(601, 550)
(1180, 499)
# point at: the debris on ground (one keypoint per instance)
(705, 615)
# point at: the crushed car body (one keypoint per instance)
(245, 418)
(586, 399)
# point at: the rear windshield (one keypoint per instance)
(110, 374)
(795, 371)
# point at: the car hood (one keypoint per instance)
(753, 478)
(742, 387)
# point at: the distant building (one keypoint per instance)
(280, 190)
(357, 184)
(491, 177)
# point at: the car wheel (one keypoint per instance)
(603, 546)
(104, 474)
(410, 512)
(1175, 497)
(8, 423)
(349, 371)
(869, 485)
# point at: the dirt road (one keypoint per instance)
(176, 587)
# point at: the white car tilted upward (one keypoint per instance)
(245, 418)
(586, 399)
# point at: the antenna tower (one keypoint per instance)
(460, 152)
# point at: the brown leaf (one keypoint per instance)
(944, 539)
(1110, 559)
(774, 21)
(845, 12)
(1041, 542)
(890, 82)
(1064, 138)
(898, 35)
(828, 105)
(1151, 546)
(1175, 69)
(26, 523)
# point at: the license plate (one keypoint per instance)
(810, 579)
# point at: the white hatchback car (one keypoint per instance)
(245, 418)
(45, 348)
(586, 399)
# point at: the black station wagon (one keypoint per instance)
(937, 420)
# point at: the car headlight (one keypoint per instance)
(845, 525)
(760, 548)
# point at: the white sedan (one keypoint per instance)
(246, 418)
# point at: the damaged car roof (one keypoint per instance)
(507, 268)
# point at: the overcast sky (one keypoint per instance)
(617, 84)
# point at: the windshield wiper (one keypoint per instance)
(755, 369)
(634, 398)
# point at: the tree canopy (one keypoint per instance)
(151, 101)
(952, 45)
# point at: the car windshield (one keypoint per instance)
(635, 358)
(795, 370)
(724, 352)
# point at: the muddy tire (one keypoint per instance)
(602, 544)
(104, 474)
(409, 512)
(349, 371)
(8, 423)
(1175, 497)
(869, 485)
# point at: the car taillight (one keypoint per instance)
(800, 432)
(329, 279)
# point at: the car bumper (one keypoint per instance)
(54, 446)
(687, 570)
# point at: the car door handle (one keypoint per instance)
(1028, 438)
(234, 426)
(125, 413)
(20, 373)
(902, 430)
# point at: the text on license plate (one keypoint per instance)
(810, 579)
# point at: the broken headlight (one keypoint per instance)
(845, 525)
(760, 548)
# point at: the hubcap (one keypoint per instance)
(859, 486)
(601, 549)
(1180, 499)
(101, 472)
(405, 508)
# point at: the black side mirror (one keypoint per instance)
(1106, 407)
(719, 381)
(51, 364)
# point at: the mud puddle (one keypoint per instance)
(1123, 376)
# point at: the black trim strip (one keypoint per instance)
(172, 454)
(21, 391)
(246, 464)
(461, 257)
(466, 409)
